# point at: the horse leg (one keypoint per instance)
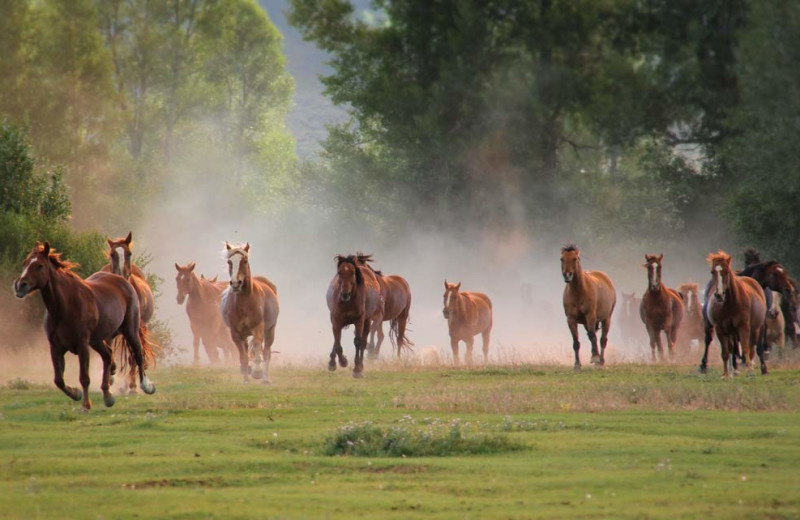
(707, 337)
(269, 339)
(211, 350)
(576, 344)
(379, 332)
(747, 347)
(454, 348)
(761, 350)
(360, 342)
(659, 345)
(83, 361)
(107, 356)
(470, 341)
(485, 335)
(57, 355)
(196, 347)
(372, 353)
(402, 321)
(136, 358)
(257, 351)
(605, 326)
(591, 332)
(244, 356)
(724, 347)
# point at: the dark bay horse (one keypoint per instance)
(589, 300)
(661, 308)
(736, 309)
(83, 314)
(396, 299)
(203, 298)
(773, 276)
(354, 298)
(692, 326)
(120, 256)
(250, 309)
(468, 314)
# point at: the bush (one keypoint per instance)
(435, 439)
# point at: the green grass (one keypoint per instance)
(529, 442)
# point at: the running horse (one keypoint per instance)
(354, 298)
(589, 300)
(468, 314)
(120, 264)
(250, 309)
(661, 308)
(692, 328)
(736, 310)
(772, 276)
(396, 301)
(203, 297)
(83, 314)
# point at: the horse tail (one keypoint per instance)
(150, 348)
(400, 341)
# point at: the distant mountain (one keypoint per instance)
(305, 62)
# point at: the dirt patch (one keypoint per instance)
(176, 482)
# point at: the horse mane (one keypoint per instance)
(235, 247)
(569, 248)
(357, 260)
(62, 265)
(751, 256)
(720, 255)
(366, 260)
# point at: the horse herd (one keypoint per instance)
(109, 311)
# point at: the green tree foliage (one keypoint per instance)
(762, 156)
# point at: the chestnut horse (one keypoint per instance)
(83, 314)
(692, 326)
(661, 308)
(250, 308)
(396, 299)
(589, 300)
(468, 314)
(203, 299)
(737, 311)
(354, 298)
(120, 255)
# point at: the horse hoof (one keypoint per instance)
(257, 374)
(332, 366)
(343, 362)
(78, 395)
(596, 360)
(109, 401)
(149, 389)
(702, 369)
(358, 375)
(577, 367)
(764, 370)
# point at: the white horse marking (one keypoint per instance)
(27, 266)
(718, 276)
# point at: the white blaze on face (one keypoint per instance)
(720, 289)
(28, 266)
(118, 268)
(236, 260)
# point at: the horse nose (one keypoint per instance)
(345, 297)
(718, 297)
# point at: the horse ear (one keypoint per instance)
(191, 266)
(46, 249)
(445, 283)
(247, 247)
(177, 267)
(110, 243)
(128, 238)
(227, 245)
(458, 287)
(661, 257)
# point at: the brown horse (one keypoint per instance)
(737, 311)
(692, 326)
(203, 299)
(661, 308)
(772, 275)
(589, 300)
(396, 299)
(629, 321)
(83, 314)
(354, 298)
(468, 314)
(120, 256)
(250, 308)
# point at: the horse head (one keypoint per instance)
(721, 274)
(184, 280)
(653, 265)
(38, 267)
(688, 292)
(777, 300)
(451, 293)
(120, 255)
(349, 275)
(570, 262)
(238, 257)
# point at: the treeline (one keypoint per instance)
(653, 122)
(130, 95)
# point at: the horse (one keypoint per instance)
(776, 330)
(589, 300)
(83, 314)
(396, 299)
(737, 311)
(692, 326)
(773, 276)
(468, 314)
(630, 328)
(249, 308)
(661, 308)
(203, 297)
(120, 264)
(354, 298)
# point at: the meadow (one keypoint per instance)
(408, 441)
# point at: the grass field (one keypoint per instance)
(627, 441)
